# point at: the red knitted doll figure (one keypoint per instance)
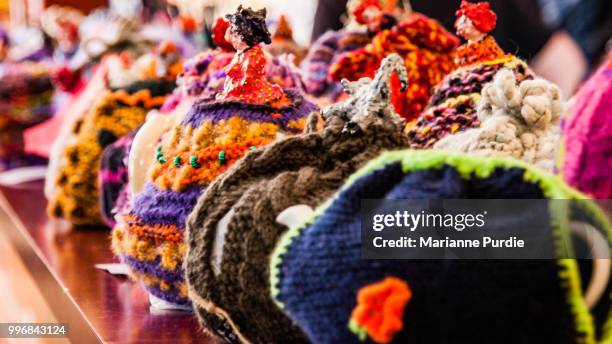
(474, 22)
(426, 47)
(246, 76)
(452, 106)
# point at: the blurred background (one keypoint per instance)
(562, 39)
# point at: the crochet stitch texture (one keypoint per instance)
(304, 169)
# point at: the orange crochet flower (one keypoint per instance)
(380, 308)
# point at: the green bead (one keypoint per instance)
(177, 161)
(158, 151)
(193, 161)
(222, 157)
(253, 148)
(162, 160)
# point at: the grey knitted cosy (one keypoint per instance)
(232, 298)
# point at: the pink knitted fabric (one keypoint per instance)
(588, 136)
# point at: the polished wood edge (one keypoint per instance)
(63, 306)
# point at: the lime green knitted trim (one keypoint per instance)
(469, 166)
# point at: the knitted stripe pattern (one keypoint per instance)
(114, 116)
(113, 177)
(427, 50)
(540, 298)
(210, 139)
(452, 107)
(305, 169)
(588, 136)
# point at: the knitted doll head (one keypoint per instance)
(587, 131)
(474, 20)
(520, 121)
(247, 28)
(213, 135)
(427, 49)
(436, 300)
(226, 267)
(26, 92)
(452, 106)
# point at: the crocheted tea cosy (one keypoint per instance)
(520, 121)
(334, 296)
(427, 49)
(587, 136)
(304, 169)
(452, 106)
(26, 92)
(214, 134)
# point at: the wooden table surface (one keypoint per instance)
(98, 306)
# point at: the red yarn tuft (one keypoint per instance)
(218, 35)
(363, 6)
(480, 14)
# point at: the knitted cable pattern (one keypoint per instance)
(304, 169)
(211, 138)
(518, 120)
(427, 50)
(540, 298)
(452, 106)
(115, 115)
(587, 141)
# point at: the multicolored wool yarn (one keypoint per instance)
(427, 49)
(518, 120)
(227, 271)
(452, 106)
(321, 282)
(212, 137)
(587, 136)
(202, 78)
(115, 115)
(26, 91)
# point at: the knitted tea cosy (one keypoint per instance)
(194, 81)
(213, 135)
(587, 136)
(520, 121)
(304, 169)
(283, 42)
(452, 106)
(427, 49)
(115, 115)
(334, 296)
(26, 92)
(329, 47)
